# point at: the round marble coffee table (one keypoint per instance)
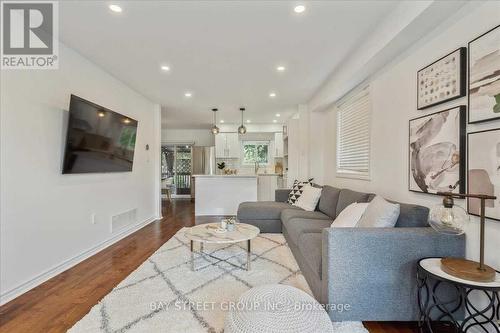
(208, 234)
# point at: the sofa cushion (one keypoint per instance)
(411, 216)
(328, 201)
(295, 227)
(347, 197)
(262, 210)
(287, 214)
(281, 194)
(265, 226)
(310, 246)
(313, 281)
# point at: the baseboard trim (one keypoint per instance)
(67, 264)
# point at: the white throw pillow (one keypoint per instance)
(380, 214)
(309, 198)
(350, 216)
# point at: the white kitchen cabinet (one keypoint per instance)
(232, 145)
(227, 145)
(278, 145)
(266, 187)
(220, 145)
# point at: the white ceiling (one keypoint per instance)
(224, 52)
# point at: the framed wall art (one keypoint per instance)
(483, 171)
(484, 77)
(437, 152)
(442, 81)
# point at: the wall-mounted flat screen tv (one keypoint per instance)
(98, 139)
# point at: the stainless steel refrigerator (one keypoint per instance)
(203, 163)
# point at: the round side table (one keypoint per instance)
(431, 278)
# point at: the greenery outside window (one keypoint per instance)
(256, 151)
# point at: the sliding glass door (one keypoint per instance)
(176, 170)
(182, 177)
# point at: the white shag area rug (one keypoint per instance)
(165, 295)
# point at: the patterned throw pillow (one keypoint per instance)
(297, 189)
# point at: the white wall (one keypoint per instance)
(393, 91)
(303, 138)
(46, 216)
(319, 148)
(200, 137)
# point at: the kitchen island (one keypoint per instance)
(221, 194)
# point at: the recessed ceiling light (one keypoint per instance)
(299, 9)
(248, 121)
(280, 68)
(222, 121)
(273, 94)
(115, 8)
(165, 68)
(275, 121)
(188, 94)
(278, 115)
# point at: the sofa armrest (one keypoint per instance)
(374, 269)
(281, 195)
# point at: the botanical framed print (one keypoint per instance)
(437, 152)
(483, 171)
(442, 81)
(484, 77)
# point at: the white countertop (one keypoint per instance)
(240, 175)
(225, 176)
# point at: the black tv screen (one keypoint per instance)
(98, 139)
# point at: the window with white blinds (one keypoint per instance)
(353, 135)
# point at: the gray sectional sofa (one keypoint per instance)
(361, 274)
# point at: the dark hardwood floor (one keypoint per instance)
(59, 303)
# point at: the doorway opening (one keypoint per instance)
(176, 170)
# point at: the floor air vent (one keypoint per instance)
(120, 221)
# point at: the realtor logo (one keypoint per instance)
(29, 35)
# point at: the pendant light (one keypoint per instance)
(242, 129)
(215, 129)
